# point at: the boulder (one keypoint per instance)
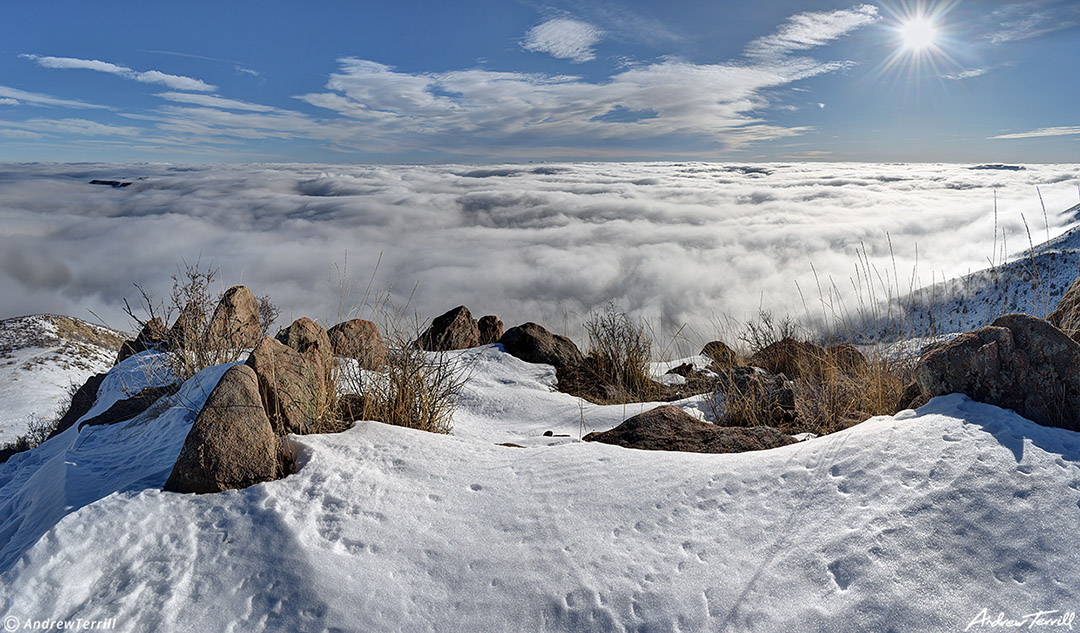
(305, 335)
(790, 357)
(491, 329)
(360, 340)
(292, 385)
(755, 394)
(722, 355)
(187, 331)
(1066, 316)
(1019, 362)
(81, 402)
(153, 335)
(455, 329)
(534, 344)
(231, 444)
(669, 428)
(123, 410)
(848, 359)
(235, 324)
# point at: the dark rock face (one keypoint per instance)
(124, 410)
(1066, 316)
(235, 323)
(454, 330)
(187, 331)
(722, 355)
(669, 428)
(534, 344)
(81, 403)
(789, 357)
(1019, 362)
(152, 336)
(231, 445)
(360, 340)
(491, 329)
(292, 385)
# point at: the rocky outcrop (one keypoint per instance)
(1066, 316)
(669, 428)
(790, 357)
(123, 410)
(305, 335)
(534, 344)
(153, 335)
(847, 358)
(722, 356)
(455, 329)
(81, 402)
(292, 384)
(235, 324)
(1019, 362)
(359, 340)
(490, 328)
(231, 444)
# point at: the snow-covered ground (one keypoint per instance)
(915, 522)
(42, 358)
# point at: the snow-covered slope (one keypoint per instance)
(916, 522)
(41, 357)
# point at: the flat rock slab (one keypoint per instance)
(669, 428)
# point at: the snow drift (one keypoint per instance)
(918, 521)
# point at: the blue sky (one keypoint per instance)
(410, 81)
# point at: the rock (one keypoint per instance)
(187, 331)
(757, 395)
(360, 340)
(81, 402)
(911, 398)
(292, 384)
(231, 444)
(491, 329)
(115, 184)
(305, 335)
(848, 359)
(722, 355)
(790, 357)
(235, 324)
(454, 330)
(152, 336)
(534, 344)
(124, 410)
(1019, 362)
(1066, 316)
(669, 428)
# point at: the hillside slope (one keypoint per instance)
(917, 521)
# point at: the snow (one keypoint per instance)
(917, 521)
(39, 367)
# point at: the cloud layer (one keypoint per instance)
(678, 244)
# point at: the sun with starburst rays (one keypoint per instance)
(920, 37)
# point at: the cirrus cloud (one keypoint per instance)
(564, 38)
(176, 82)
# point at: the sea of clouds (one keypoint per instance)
(692, 244)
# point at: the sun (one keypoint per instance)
(918, 34)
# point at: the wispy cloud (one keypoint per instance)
(213, 101)
(34, 98)
(8, 101)
(1026, 20)
(564, 38)
(176, 82)
(71, 126)
(1043, 131)
(968, 74)
(808, 30)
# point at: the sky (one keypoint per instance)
(499, 81)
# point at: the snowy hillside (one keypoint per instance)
(41, 357)
(916, 522)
